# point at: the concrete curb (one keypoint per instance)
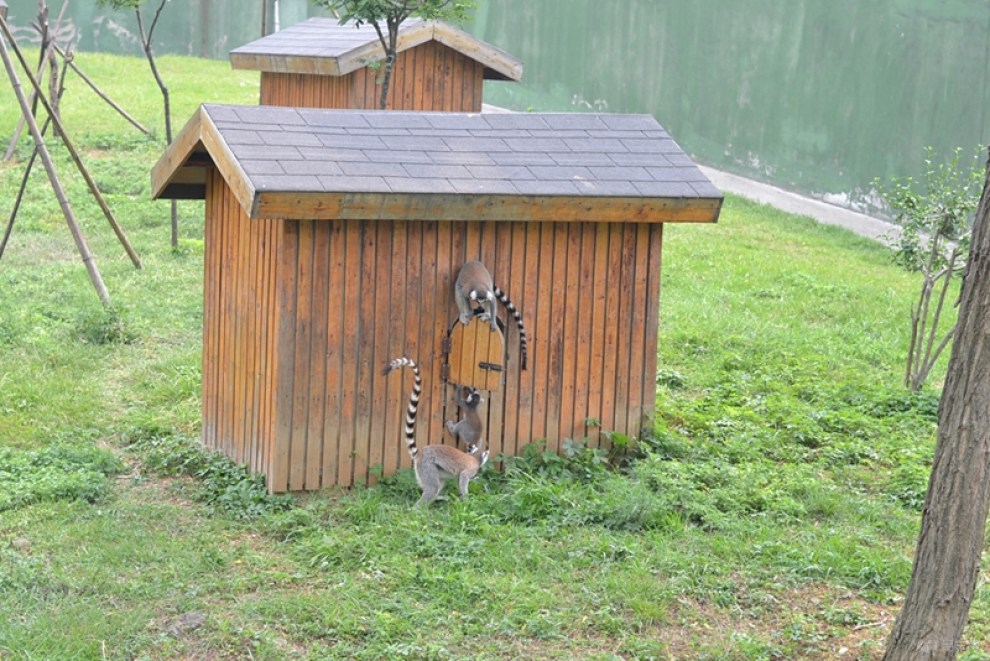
(868, 226)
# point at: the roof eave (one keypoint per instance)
(497, 64)
(312, 205)
(181, 171)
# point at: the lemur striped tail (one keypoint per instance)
(417, 388)
(519, 324)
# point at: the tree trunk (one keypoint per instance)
(146, 42)
(947, 560)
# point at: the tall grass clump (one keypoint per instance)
(221, 483)
(62, 471)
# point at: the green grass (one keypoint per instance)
(771, 514)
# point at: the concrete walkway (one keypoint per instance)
(868, 226)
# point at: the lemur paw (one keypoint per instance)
(465, 318)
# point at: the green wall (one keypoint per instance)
(820, 96)
(815, 95)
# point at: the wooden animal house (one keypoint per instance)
(3, 9)
(331, 248)
(320, 63)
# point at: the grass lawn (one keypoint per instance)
(771, 513)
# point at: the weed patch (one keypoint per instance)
(222, 484)
(57, 472)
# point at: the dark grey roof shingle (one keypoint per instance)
(568, 154)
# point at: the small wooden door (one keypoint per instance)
(474, 355)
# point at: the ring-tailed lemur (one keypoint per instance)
(434, 463)
(470, 430)
(474, 285)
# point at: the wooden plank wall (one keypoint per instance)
(353, 294)
(239, 328)
(428, 77)
(301, 90)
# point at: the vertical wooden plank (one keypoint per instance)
(207, 401)
(359, 85)
(252, 279)
(286, 279)
(597, 319)
(490, 255)
(612, 321)
(221, 322)
(265, 312)
(496, 356)
(276, 231)
(402, 308)
(455, 76)
(303, 359)
(241, 294)
(373, 90)
(335, 370)
(352, 299)
(351, 83)
(570, 321)
(225, 365)
(319, 320)
(477, 341)
(638, 342)
(543, 255)
(408, 76)
(211, 292)
(582, 366)
(651, 349)
(395, 97)
(365, 355)
(445, 93)
(465, 66)
(625, 329)
(467, 359)
(379, 349)
(264, 94)
(262, 393)
(422, 337)
(355, 92)
(298, 93)
(450, 242)
(518, 384)
(425, 83)
(555, 370)
(466, 246)
(478, 86)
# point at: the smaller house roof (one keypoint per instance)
(332, 164)
(324, 46)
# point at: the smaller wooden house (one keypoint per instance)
(3, 9)
(333, 239)
(320, 63)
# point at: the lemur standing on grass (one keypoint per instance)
(434, 463)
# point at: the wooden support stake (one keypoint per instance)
(46, 159)
(60, 129)
(100, 93)
(27, 172)
(45, 53)
(14, 139)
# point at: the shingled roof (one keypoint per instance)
(314, 163)
(324, 46)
